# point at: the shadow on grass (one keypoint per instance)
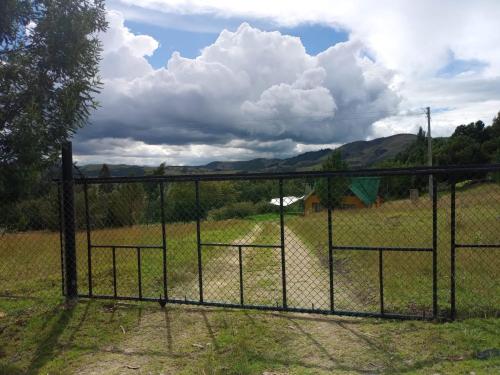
(48, 344)
(379, 344)
(11, 369)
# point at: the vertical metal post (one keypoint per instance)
(282, 233)
(89, 244)
(114, 272)
(139, 271)
(434, 251)
(429, 148)
(69, 222)
(330, 243)
(453, 249)
(240, 258)
(61, 242)
(164, 241)
(381, 279)
(198, 239)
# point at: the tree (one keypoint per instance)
(416, 153)
(105, 173)
(160, 170)
(474, 130)
(49, 57)
(153, 201)
(339, 185)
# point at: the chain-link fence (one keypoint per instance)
(31, 244)
(362, 243)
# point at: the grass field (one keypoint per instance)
(408, 275)
(39, 335)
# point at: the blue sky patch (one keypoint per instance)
(458, 66)
(315, 38)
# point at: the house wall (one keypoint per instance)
(349, 201)
(309, 204)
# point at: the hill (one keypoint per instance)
(359, 154)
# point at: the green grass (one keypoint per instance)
(30, 261)
(38, 334)
(46, 338)
(272, 216)
(408, 276)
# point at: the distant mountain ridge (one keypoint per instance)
(358, 154)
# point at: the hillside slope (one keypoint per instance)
(357, 154)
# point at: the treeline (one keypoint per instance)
(126, 204)
(474, 143)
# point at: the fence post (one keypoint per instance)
(164, 242)
(434, 251)
(282, 235)
(330, 244)
(69, 222)
(198, 238)
(452, 251)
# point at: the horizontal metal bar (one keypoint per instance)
(489, 246)
(268, 308)
(382, 248)
(293, 175)
(239, 245)
(127, 246)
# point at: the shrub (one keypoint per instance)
(232, 211)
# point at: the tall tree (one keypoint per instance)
(49, 57)
(339, 184)
(105, 173)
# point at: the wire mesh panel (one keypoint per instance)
(383, 232)
(477, 249)
(377, 243)
(407, 283)
(30, 245)
(306, 244)
(116, 223)
(262, 278)
(181, 210)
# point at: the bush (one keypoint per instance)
(232, 211)
(264, 207)
(34, 214)
(241, 210)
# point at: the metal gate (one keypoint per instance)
(186, 239)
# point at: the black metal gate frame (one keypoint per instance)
(429, 171)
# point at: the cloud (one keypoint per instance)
(406, 35)
(249, 86)
(255, 93)
(129, 151)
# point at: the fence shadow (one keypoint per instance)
(48, 345)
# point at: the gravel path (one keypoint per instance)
(307, 280)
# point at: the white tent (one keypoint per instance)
(287, 201)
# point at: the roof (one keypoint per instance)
(365, 188)
(287, 201)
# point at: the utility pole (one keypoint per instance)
(429, 147)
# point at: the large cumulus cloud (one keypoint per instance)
(248, 87)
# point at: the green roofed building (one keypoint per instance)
(363, 192)
(365, 188)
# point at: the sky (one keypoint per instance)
(188, 82)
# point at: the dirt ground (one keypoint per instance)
(170, 341)
(199, 340)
